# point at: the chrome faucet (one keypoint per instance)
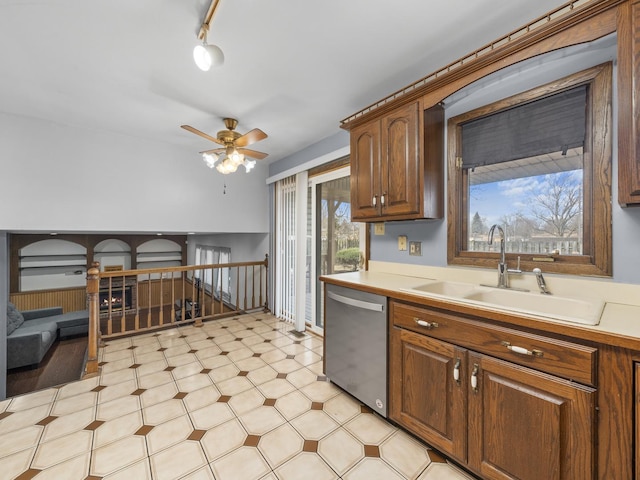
(542, 285)
(503, 275)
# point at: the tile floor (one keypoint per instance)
(239, 399)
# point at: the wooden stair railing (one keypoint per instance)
(130, 302)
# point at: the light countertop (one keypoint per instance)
(619, 322)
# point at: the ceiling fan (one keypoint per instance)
(233, 152)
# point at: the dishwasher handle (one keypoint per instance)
(376, 307)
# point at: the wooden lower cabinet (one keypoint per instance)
(636, 403)
(424, 394)
(524, 424)
(499, 419)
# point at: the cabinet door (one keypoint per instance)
(528, 425)
(424, 395)
(402, 170)
(629, 102)
(365, 171)
(636, 402)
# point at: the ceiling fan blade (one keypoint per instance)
(248, 138)
(215, 150)
(252, 153)
(202, 134)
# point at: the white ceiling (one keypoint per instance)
(293, 68)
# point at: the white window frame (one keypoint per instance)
(211, 255)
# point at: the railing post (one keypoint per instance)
(93, 287)
(266, 281)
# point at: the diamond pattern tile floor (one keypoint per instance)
(241, 398)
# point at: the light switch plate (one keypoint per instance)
(415, 248)
(378, 228)
(402, 243)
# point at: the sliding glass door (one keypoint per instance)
(334, 243)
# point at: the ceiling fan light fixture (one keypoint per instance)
(209, 159)
(207, 56)
(236, 157)
(232, 151)
(249, 164)
(226, 166)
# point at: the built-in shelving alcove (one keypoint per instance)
(46, 268)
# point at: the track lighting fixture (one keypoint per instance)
(205, 55)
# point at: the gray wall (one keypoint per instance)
(327, 145)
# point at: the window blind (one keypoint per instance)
(551, 124)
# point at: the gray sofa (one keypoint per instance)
(31, 333)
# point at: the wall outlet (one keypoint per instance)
(378, 228)
(415, 248)
(402, 243)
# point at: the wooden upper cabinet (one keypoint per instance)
(397, 165)
(365, 170)
(629, 104)
(400, 162)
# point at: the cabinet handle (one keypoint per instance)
(375, 200)
(456, 371)
(382, 198)
(425, 324)
(474, 377)
(522, 350)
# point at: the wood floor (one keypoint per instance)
(63, 363)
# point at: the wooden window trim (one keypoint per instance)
(597, 257)
(329, 166)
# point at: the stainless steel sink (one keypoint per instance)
(568, 309)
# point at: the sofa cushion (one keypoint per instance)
(37, 324)
(14, 318)
(72, 319)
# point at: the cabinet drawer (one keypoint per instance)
(557, 357)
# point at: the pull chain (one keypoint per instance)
(224, 190)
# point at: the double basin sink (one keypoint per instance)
(568, 309)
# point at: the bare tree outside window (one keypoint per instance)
(558, 209)
(539, 213)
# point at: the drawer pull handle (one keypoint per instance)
(522, 350)
(375, 200)
(456, 371)
(425, 324)
(474, 377)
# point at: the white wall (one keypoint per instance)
(58, 178)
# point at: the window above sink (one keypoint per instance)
(551, 193)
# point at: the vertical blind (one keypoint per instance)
(285, 288)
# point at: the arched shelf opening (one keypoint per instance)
(52, 264)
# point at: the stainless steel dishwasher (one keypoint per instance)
(355, 335)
